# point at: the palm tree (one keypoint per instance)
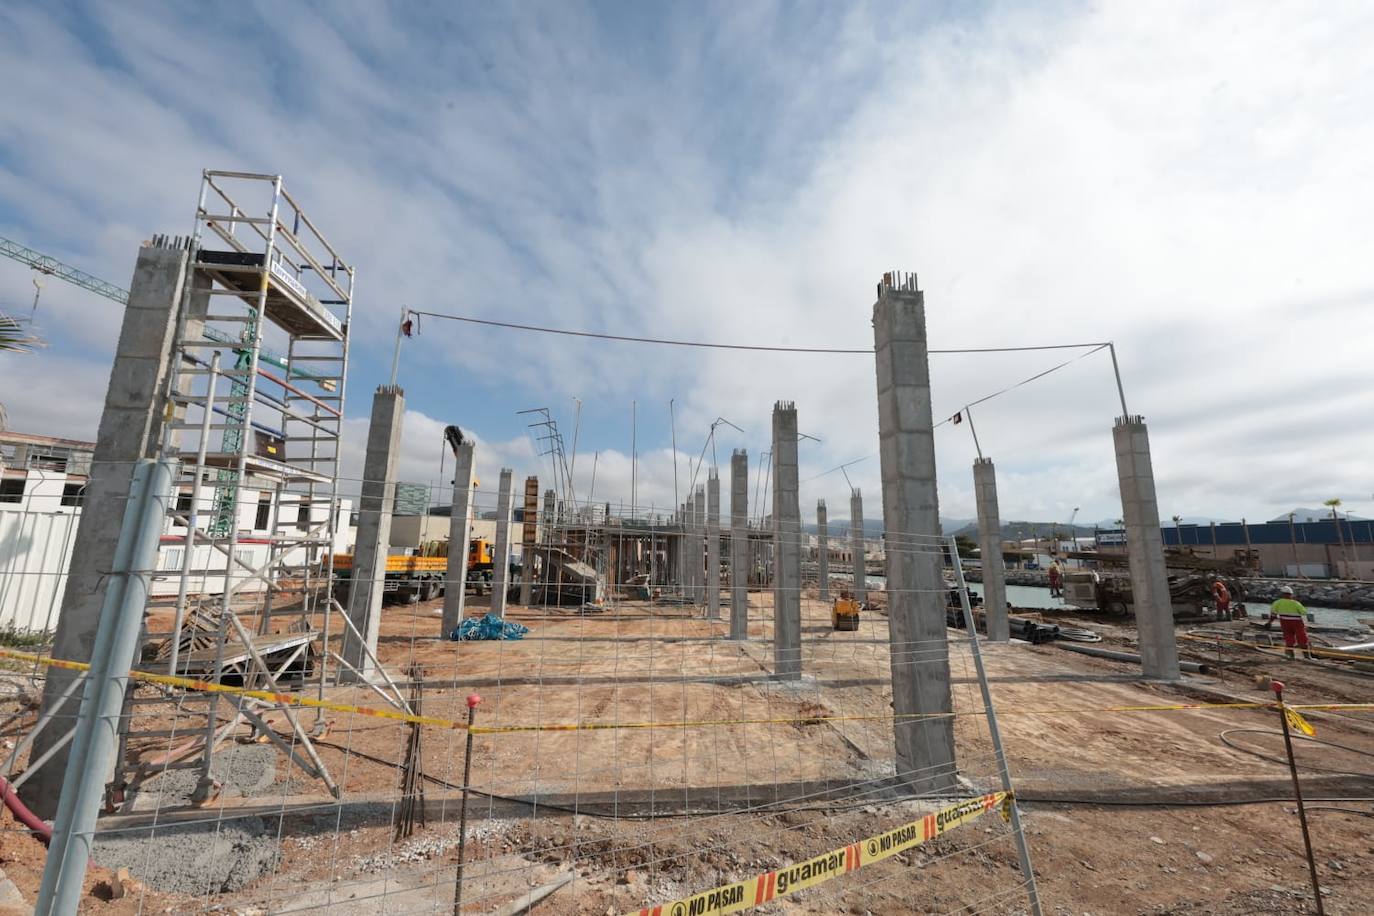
(13, 339)
(1178, 527)
(1334, 504)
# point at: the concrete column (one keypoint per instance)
(500, 559)
(911, 519)
(713, 545)
(699, 544)
(551, 535)
(376, 505)
(739, 544)
(823, 550)
(787, 663)
(459, 526)
(684, 573)
(128, 429)
(1154, 612)
(529, 535)
(856, 544)
(990, 545)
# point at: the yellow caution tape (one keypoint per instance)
(1295, 720)
(291, 699)
(285, 699)
(761, 889)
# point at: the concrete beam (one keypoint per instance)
(1154, 612)
(921, 699)
(823, 550)
(713, 545)
(128, 431)
(739, 544)
(990, 545)
(376, 505)
(459, 526)
(500, 558)
(787, 662)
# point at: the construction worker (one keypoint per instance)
(1222, 597)
(1290, 614)
(1056, 576)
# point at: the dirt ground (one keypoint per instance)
(741, 774)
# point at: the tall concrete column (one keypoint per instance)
(823, 549)
(699, 543)
(739, 544)
(990, 545)
(500, 558)
(787, 663)
(551, 535)
(376, 505)
(128, 431)
(1154, 612)
(856, 544)
(713, 545)
(921, 699)
(459, 525)
(529, 535)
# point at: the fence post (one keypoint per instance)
(97, 725)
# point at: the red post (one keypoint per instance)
(473, 700)
(1297, 794)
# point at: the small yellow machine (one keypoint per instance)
(844, 613)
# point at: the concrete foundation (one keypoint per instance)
(911, 519)
(1154, 613)
(500, 552)
(822, 550)
(856, 544)
(459, 525)
(376, 504)
(713, 545)
(739, 544)
(787, 663)
(990, 546)
(129, 428)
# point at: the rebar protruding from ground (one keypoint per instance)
(473, 700)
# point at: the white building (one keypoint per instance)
(42, 480)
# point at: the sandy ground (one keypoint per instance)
(578, 802)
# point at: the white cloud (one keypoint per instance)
(1191, 184)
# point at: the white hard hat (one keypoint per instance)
(1286, 590)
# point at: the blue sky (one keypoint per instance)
(1191, 182)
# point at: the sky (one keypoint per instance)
(1189, 180)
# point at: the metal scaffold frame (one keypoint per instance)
(233, 426)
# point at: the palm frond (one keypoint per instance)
(13, 337)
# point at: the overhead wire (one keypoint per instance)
(709, 345)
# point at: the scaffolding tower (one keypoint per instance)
(257, 440)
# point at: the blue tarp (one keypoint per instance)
(488, 627)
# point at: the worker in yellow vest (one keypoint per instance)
(1290, 614)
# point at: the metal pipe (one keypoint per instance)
(1004, 771)
(97, 725)
(1121, 392)
(1190, 667)
(179, 616)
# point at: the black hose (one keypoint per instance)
(1283, 761)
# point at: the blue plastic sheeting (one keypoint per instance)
(488, 627)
